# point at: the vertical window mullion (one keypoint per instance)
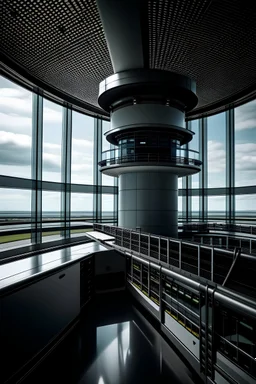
(37, 160)
(230, 166)
(203, 183)
(186, 185)
(116, 202)
(97, 177)
(66, 147)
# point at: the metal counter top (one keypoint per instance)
(17, 272)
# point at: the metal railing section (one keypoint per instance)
(200, 227)
(205, 261)
(244, 236)
(111, 157)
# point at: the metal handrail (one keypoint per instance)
(228, 227)
(197, 259)
(150, 157)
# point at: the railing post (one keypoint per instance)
(159, 249)
(167, 250)
(148, 278)
(132, 268)
(148, 245)
(198, 260)
(180, 254)
(212, 259)
(130, 239)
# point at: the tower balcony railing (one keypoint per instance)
(182, 158)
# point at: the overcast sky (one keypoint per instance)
(15, 151)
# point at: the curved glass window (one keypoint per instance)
(246, 209)
(82, 149)
(245, 144)
(106, 180)
(216, 150)
(216, 208)
(82, 206)
(107, 208)
(15, 130)
(15, 210)
(52, 139)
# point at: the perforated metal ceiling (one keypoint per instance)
(213, 42)
(62, 44)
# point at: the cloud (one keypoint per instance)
(13, 200)
(216, 157)
(82, 144)
(245, 116)
(16, 124)
(5, 83)
(16, 110)
(15, 150)
(216, 203)
(81, 167)
(15, 102)
(245, 164)
(195, 184)
(245, 157)
(52, 116)
(246, 197)
(51, 163)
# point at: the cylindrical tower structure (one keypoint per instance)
(147, 113)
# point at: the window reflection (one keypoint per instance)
(113, 346)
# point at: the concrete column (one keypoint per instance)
(149, 200)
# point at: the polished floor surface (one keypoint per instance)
(113, 344)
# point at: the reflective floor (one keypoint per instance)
(113, 344)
